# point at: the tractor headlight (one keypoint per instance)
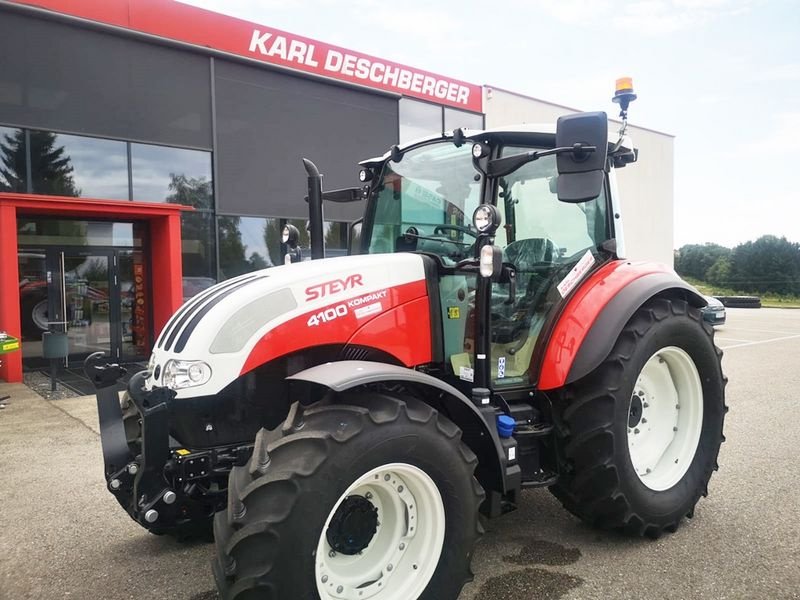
(179, 374)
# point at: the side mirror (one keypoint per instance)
(580, 174)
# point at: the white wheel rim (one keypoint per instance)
(403, 554)
(665, 418)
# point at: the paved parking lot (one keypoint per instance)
(63, 536)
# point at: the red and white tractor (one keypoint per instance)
(345, 421)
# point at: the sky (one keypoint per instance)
(722, 76)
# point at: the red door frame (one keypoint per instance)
(165, 243)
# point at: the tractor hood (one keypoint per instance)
(242, 323)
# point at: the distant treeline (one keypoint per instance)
(769, 265)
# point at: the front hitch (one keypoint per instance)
(137, 481)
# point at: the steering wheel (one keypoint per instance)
(440, 229)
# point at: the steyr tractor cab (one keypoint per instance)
(345, 421)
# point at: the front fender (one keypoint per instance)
(588, 328)
(481, 438)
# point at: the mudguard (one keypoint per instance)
(477, 433)
(588, 328)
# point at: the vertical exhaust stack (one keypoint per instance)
(315, 218)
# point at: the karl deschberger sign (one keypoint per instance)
(342, 64)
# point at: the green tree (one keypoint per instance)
(232, 261)
(190, 191)
(720, 272)
(766, 265)
(13, 175)
(694, 260)
(51, 167)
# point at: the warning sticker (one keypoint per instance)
(466, 374)
(453, 312)
(576, 274)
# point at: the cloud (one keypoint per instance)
(788, 72)
(644, 16)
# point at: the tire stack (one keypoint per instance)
(740, 301)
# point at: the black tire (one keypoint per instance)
(278, 503)
(740, 301)
(598, 482)
(31, 332)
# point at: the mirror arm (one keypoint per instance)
(500, 167)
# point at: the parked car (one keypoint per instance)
(714, 313)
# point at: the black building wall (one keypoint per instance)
(67, 78)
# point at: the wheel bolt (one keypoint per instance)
(115, 483)
(402, 546)
(636, 430)
(400, 489)
(332, 553)
(387, 477)
(324, 579)
(339, 589)
(644, 420)
(645, 405)
(368, 495)
(647, 471)
(415, 567)
(389, 568)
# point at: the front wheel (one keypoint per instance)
(640, 435)
(373, 498)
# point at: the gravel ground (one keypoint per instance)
(63, 536)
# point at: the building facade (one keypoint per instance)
(149, 149)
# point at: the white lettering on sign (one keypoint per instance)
(379, 295)
(359, 67)
(576, 274)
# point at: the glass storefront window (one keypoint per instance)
(247, 244)
(198, 254)
(72, 165)
(13, 170)
(175, 175)
(44, 231)
(458, 118)
(335, 238)
(418, 119)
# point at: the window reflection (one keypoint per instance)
(458, 118)
(247, 244)
(418, 119)
(47, 231)
(13, 172)
(197, 246)
(72, 165)
(175, 175)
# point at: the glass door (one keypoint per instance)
(83, 300)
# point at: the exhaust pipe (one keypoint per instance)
(315, 217)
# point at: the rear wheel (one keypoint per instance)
(373, 498)
(640, 436)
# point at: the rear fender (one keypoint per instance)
(476, 433)
(589, 326)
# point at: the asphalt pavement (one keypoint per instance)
(62, 535)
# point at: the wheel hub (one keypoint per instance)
(635, 412)
(353, 525)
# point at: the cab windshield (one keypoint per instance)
(425, 203)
